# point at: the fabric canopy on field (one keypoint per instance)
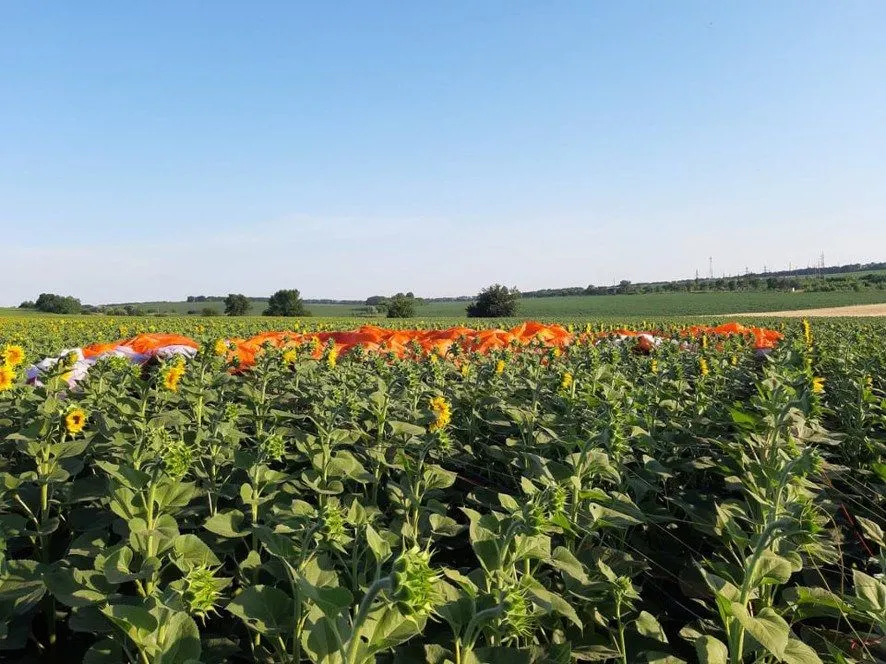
(242, 353)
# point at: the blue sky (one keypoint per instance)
(155, 150)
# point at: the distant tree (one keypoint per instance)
(625, 287)
(286, 303)
(496, 301)
(57, 304)
(401, 306)
(209, 311)
(27, 304)
(377, 301)
(236, 304)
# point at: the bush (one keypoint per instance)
(286, 303)
(496, 301)
(236, 304)
(209, 311)
(401, 306)
(57, 304)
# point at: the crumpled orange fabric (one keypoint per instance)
(402, 342)
(142, 344)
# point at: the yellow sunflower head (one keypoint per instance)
(818, 385)
(171, 377)
(75, 420)
(13, 355)
(442, 413)
(566, 381)
(7, 377)
(703, 366)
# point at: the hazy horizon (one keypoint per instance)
(152, 152)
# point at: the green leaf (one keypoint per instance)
(74, 587)
(436, 654)
(174, 494)
(331, 600)
(484, 540)
(227, 524)
(797, 652)
(191, 551)
(444, 526)
(563, 560)
(553, 602)
(532, 546)
(117, 566)
(69, 449)
(267, 610)
(647, 625)
(769, 628)
(720, 586)
(872, 531)
(181, 640)
(458, 612)
(436, 477)
(125, 475)
(344, 464)
(381, 550)
(22, 586)
(405, 429)
(871, 591)
(771, 569)
(711, 650)
(135, 621)
(814, 602)
(388, 628)
(105, 651)
(321, 639)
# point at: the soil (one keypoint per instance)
(853, 311)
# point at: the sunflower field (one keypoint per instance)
(579, 496)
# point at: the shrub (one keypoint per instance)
(57, 304)
(236, 304)
(286, 303)
(401, 306)
(496, 301)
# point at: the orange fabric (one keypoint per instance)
(403, 343)
(146, 343)
(97, 349)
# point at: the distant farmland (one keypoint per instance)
(652, 304)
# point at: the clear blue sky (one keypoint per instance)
(155, 150)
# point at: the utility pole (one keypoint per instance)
(710, 267)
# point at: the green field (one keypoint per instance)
(653, 304)
(534, 504)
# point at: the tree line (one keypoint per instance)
(492, 302)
